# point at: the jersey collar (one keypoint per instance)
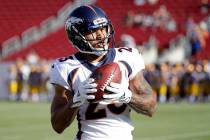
(109, 57)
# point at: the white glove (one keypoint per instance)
(81, 94)
(120, 94)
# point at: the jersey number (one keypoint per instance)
(124, 48)
(93, 113)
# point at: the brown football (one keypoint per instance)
(103, 76)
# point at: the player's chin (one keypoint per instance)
(100, 46)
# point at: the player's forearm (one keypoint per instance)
(144, 103)
(143, 98)
(62, 118)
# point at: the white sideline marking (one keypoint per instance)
(177, 136)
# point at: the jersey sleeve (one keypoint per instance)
(136, 63)
(59, 76)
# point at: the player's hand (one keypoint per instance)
(81, 94)
(119, 94)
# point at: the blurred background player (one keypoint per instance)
(12, 83)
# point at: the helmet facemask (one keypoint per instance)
(84, 45)
(100, 44)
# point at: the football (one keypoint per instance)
(103, 76)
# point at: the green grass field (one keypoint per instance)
(31, 121)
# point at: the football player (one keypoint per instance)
(91, 33)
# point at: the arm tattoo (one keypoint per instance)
(143, 98)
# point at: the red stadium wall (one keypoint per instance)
(16, 16)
